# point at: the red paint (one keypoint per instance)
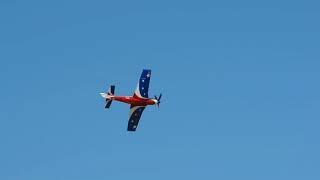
(133, 100)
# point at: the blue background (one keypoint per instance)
(240, 81)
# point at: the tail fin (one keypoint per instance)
(108, 96)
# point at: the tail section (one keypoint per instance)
(109, 96)
(108, 104)
(111, 90)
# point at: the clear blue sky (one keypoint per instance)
(240, 81)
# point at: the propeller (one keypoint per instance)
(158, 99)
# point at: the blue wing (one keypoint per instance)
(143, 85)
(135, 115)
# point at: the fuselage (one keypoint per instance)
(134, 100)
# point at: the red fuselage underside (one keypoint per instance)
(134, 100)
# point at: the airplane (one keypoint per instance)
(138, 102)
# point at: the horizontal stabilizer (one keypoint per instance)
(108, 104)
(109, 96)
(111, 90)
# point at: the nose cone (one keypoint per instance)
(155, 101)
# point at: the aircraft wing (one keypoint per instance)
(143, 84)
(135, 115)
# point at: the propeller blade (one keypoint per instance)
(158, 99)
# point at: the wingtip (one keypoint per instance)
(131, 130)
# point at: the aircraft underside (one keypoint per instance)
(138, 102)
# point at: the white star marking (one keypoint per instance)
(148, 75)
(134, 127)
